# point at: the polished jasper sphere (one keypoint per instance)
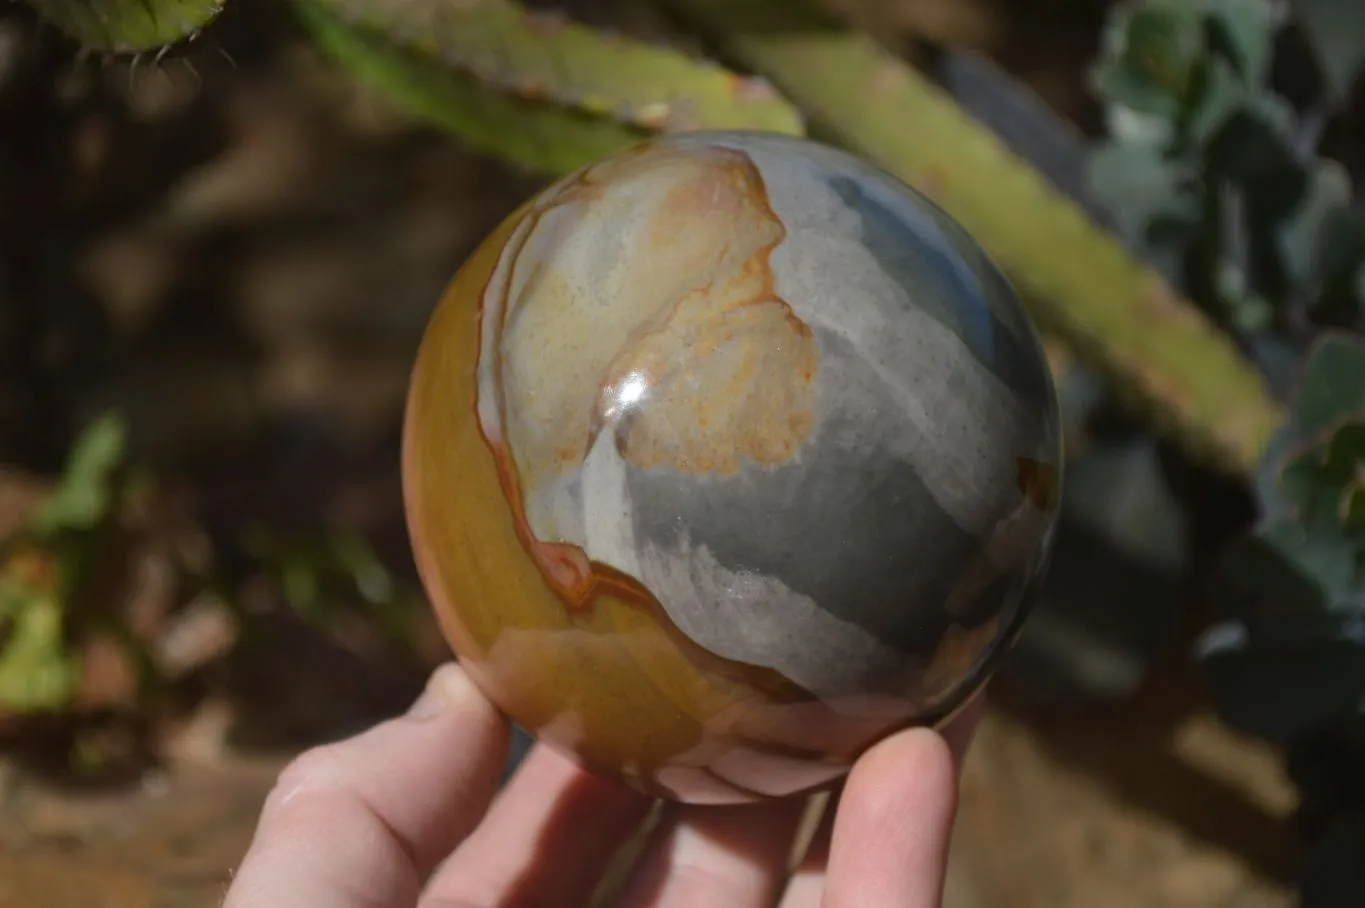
(725, 457)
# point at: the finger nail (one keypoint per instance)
(438, 694)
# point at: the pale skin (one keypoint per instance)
(408, 814)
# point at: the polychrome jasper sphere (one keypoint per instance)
(725, 457)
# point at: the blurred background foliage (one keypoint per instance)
(199, 410)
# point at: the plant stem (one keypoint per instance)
(1122, 319)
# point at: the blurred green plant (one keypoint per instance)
(1286, 660)
(1289, 656)
(329, 578)
(1212, 172)
(129, 26)
(44, 566)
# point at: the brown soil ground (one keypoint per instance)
(1125, 810)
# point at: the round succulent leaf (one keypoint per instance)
(1324, 486)
(1260, 584)
(1321, 479)
(1221, 93)
(1252, 145)
(1311, 240)
(1151, 53)
(1325, 555)
(1244, 30)
(1339, 288)
(1333, 384)
(1281, 691)
(1138, 183)
(1279, 359)
(1166, 242)
(1283, 443)
(128, 26)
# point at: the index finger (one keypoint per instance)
(361, 822)
(912, 774)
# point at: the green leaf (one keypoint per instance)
(1331, 391)
(1152, 53)
(1333, 385)
(1246, 29)
(1138, 183)
(1337, 291)
(128, 26)
(1336, 29)
(84, 496)
(1312, 483)
(1289, 658)
(1326, 555)
(1269, 582)
(1324, 483)
(1316, 241)
(1322, 495)
(36, 671)
(1221, 95)
(1252, 145)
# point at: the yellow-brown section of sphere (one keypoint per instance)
(611, 680)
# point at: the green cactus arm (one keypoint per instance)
(1118, 315)
(536, 57)
(540, 136)
(128, 26)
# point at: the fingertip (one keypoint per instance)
(895, 818)
(916, 766)
(450, 687)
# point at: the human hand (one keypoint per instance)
(405, 815)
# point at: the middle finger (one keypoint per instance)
(545, 840)
(706, 856)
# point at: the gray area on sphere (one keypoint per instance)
(900, 514)
(963, 293)
(847, 524)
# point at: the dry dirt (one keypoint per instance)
(1125, 810)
